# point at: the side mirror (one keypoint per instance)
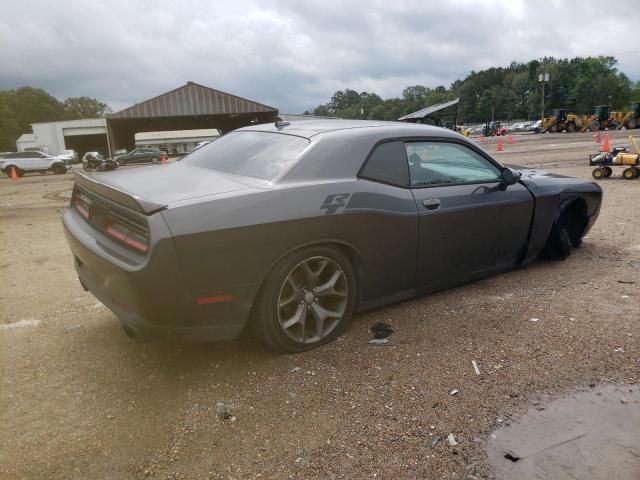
(509, 176)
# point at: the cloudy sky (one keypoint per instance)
(293, 54)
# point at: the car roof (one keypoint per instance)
(310, 128)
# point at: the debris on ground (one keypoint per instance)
(534, 319)
(475, 367)
(453, 392)
(435, 441)
(626, 281)
(294, 370)
(452, 440)
(378, 341)
(381, 330)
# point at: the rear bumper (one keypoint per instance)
(149, 299)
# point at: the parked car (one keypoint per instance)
(534, 126)
(139, 155)
(25, 162)
(70, 156)
(292, 227)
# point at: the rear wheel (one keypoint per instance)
(571, 127)
(629, 173)
(631, 124)
(155, 161)
(607, 172)
(598, 173)
(594, 125)
(307, 300)
(553, 128)
(58, 169)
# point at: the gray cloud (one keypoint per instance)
(292, 55)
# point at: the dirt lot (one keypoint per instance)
(79, 399)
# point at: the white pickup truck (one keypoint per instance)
(25, 162)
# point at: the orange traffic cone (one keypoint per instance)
(510, 139)
(164, 158)
(481, 138)
(499, 144)
(14, 175)
(605, 145)
(598, 138)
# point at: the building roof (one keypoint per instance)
(175, 134)
(192, 99)
(429, 110)
(26, 137)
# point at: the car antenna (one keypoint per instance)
(281, 123)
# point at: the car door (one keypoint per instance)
(42, 161)
(29, 161)
(470, 223)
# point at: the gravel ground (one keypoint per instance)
(79, 399)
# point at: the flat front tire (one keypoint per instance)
(306, 300)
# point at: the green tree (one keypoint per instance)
(85, 107)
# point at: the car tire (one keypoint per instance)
(290, 314)
(155, 160)
(559, 242)
(59, 169)
(122, 163)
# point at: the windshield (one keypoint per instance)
(252, 154)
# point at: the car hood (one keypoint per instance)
(174, 182)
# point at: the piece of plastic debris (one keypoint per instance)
(475, 367)
(435, 441)
(619, 349)
(379, 341)
(534, 319)
(381, 330)
(626, 281)
(453, 392)
(452, 440)
(295, 369)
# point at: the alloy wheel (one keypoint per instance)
(313, 299)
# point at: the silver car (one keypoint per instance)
(26, 162)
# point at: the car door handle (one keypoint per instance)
(431, 203)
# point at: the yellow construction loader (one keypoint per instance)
(560, 121)
(620, 157)
(628, 120)
(599, 120)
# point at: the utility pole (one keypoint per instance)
(543, 78)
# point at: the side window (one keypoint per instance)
(387, 164)
(437, 163)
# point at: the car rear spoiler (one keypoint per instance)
(124, 198)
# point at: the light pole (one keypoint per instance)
(543, 78)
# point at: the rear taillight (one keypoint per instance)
(82, 204)
(127, 233)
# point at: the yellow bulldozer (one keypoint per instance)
(560, 120)
(601, 119)
(628, 120)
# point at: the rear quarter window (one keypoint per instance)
(387, 163)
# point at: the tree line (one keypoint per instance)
(26, 105)
(515, 92)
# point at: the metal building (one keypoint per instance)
(189, 107)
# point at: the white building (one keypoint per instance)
(175, 141)
(54, 137)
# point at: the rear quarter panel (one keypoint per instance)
(230, 244)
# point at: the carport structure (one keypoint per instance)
(441, 114)
(192, 106)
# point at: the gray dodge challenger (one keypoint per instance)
(291, 227)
